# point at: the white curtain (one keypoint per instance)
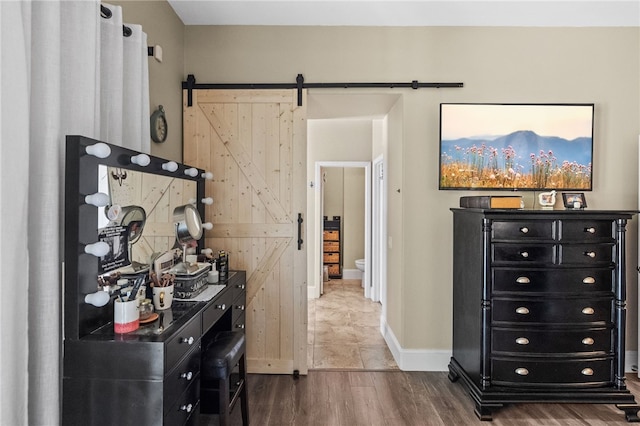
(51, 79)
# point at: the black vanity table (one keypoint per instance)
(150, 376)
(539, 307)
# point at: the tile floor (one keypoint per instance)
(344, 330)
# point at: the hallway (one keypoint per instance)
(344, 330)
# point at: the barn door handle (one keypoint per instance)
(300, 231)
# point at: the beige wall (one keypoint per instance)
(353, 226)
(599, 65)
(163, 28)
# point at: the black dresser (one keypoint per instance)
(539, 307)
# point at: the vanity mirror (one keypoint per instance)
(119, 206)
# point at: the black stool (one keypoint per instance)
(219, 359)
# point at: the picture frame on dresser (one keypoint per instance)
(574, 200)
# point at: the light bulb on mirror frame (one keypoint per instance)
(208, 226)
(99, 199)
(207, 175)
(208, 201)
(100, 150)
(193, 172)
(97, 299)
(142, 160)
(98, 249)
(170, 166)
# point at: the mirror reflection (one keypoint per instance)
(139, 222)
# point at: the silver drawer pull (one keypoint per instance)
(589, 280)
(522, 371)
(188, 375)
(524, 230)
(188, 340)
(587, 341)
(522, 310)
(241, 307)
(221, 307)
(587, 372)
(524, 254)
(523, 280)
(591, 230)
(240, 286)
(240, 326)
(590, 254)
(522, 341)
(588, 311)
(186, 408)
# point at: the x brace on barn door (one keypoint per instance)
(190, 84)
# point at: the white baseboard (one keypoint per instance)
(351, 274)
(414, 359)
(438, 360)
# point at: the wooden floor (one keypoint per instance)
(397, 398)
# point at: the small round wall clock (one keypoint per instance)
(159, 125)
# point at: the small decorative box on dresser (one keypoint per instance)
(539, 307)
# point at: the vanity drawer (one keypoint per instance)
(214, 311)
(185, 407)
(586, 230)
(552, 311)
(238, 290)
(528, 341)
(239, 322)
(183, 342)
(530, 253)
(530, 372)
(575, 280)
(586, 254)
(181, 377)
(238, 308)
(523, 230)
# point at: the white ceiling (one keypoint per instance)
(573, 13)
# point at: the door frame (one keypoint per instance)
(319, 188)
(379, 231)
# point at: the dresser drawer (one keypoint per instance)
(552, 311)
(183, 375)
(331, 235)
(574, 280)
(523, 253)
(528, 341)
(528, 372)
(586, 254)
(586, 230)
(183, 342)
(523, 230)
(334, 269)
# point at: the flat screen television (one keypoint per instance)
(515, 147)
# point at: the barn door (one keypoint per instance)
(254, 143)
